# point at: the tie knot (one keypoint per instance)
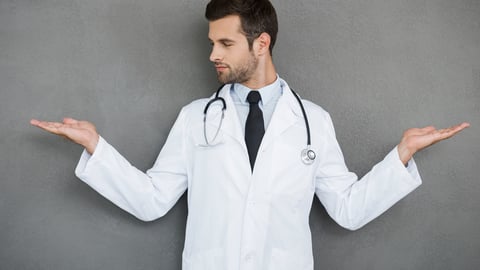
(253, 97)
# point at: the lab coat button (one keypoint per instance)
(248, 257)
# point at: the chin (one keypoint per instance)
(223, 80)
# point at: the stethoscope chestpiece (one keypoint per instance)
(308, 156)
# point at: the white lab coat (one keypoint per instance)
(239, 220)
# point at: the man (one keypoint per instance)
(250, 194)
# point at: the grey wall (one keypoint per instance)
(377, 66)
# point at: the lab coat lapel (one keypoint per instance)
(287, 113)
(231, 122)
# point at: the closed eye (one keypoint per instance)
(224, 42)
(227, 43)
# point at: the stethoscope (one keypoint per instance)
(307, 155)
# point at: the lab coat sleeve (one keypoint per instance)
(351, 202)
(147, 196)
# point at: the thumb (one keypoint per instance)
(68, 120)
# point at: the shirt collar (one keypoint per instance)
(267, 92)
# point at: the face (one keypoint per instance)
(233, 59)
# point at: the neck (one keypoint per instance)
(265, 75)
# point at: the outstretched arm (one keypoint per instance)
(353, 203)
(147, 196)
(81, 132)
(416, 139)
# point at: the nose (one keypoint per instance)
(215, 54)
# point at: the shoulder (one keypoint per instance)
(315, 111)
(319, 119)
(312, 109)
(196, 105)
(194, 111)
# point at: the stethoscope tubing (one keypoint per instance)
(307, 154)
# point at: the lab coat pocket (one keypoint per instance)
(209, 141)
(204, 260)
(205, 154)
(288, 260)
(208, 134)
(297, 203)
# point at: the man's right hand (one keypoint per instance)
(81, 132)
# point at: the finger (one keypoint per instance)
(51, 124)
(53, 127)
(460, 126)
(448, 132)
(445, 131)
(455, 129)
(50, 128)
(68, 120)
(421, 131)
(34, 122)
(463, 125)
(426, 130)
(38, 123)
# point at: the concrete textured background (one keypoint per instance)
(378, 66)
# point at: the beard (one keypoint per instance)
(238, 74)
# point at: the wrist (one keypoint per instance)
(404, 152)
(91, 145)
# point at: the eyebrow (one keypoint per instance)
(223, 40)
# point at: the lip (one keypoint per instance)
(220, 68)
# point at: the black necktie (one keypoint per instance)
(254, 127)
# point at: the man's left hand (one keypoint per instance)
(416, 139)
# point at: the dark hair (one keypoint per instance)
(256, 17)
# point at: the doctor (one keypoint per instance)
(250, 188)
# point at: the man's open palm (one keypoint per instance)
(81, 132)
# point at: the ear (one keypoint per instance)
(263, 43)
